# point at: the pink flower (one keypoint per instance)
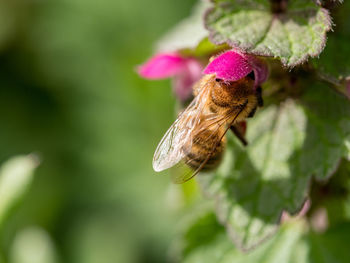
(233, 65)
(230, 66)
(186, 71)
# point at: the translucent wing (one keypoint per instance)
(182, 172)
(213, 131)
(195, 120)
(169, 151)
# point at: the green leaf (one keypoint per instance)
(333, 197)
(15, 175)
(250, 26)
(205, 48)
(190, 37)
(288, 144)
(188, 33)
(293, 243)
(202, 232)
(33, 244)
(329, 247)
(334, 62)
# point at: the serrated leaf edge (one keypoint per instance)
(327, 21)
(231, 230)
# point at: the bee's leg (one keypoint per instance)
(259, 96)
(239, 130)
(251, 114)
(258, 93)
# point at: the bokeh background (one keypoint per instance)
(70, 94)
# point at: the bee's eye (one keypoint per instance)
(218, 80)
(251, 75)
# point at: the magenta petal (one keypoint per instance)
(182, 85)
(184, 81)
(230, 66)
(162, 66)
(261, 71)
(194, 68)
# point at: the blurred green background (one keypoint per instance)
(70, 94)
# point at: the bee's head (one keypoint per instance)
(250, 76)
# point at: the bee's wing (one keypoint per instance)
(181, 172)
(193, 120)
(215, 124)
(169, 151)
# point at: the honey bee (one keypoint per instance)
(197, 137)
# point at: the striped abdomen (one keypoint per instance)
(205, 145)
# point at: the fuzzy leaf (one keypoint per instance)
(287, 145)
(251, 27)
(334, 62)
(293, 243)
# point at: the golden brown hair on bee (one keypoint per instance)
(227, 100)
(197, 136)
(202, 144)
(232, 96)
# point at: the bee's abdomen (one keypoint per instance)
(204, 145)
